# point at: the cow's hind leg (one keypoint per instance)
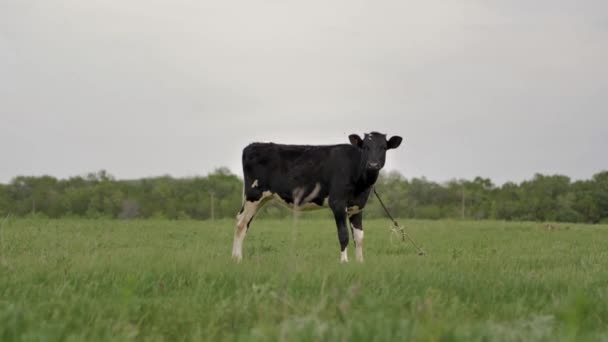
(243, 220)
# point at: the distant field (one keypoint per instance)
(174, 280)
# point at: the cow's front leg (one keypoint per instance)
(356, 224)
(339, 210)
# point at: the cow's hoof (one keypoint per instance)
(237, 258)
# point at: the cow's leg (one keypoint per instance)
(356, 225)
(243, 220)
(339, 210)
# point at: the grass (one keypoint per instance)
(173, 280)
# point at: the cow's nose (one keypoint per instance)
(374, 166)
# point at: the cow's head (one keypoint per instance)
(374, 146)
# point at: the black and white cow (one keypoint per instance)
(310, 177)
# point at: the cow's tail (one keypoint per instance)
(243, 162)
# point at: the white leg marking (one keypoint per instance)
(237, 245)
(239, 235)
(358, 237)
(344, 255)
(249, 210)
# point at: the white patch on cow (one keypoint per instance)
(302, 207)
(243, 198)
(239, 235)
(255, 184)
(242, 219)
(353, 210)
(281, 201)
(313, 206)
(358, 237)
(344, 255)
(237, 244)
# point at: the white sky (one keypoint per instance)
(501, 89)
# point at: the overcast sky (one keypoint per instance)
(501, 89)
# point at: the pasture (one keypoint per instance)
(163, 280)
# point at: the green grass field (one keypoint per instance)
(174, 280)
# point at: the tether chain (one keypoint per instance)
(398, 228)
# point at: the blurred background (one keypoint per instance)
(502, 104)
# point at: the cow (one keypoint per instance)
(305, 177)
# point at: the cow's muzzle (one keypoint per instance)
(373, 166)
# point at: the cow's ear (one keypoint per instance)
(393, 142)
(355, 140)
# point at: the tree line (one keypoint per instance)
(219, 195)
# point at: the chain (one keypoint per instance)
(398, 229)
